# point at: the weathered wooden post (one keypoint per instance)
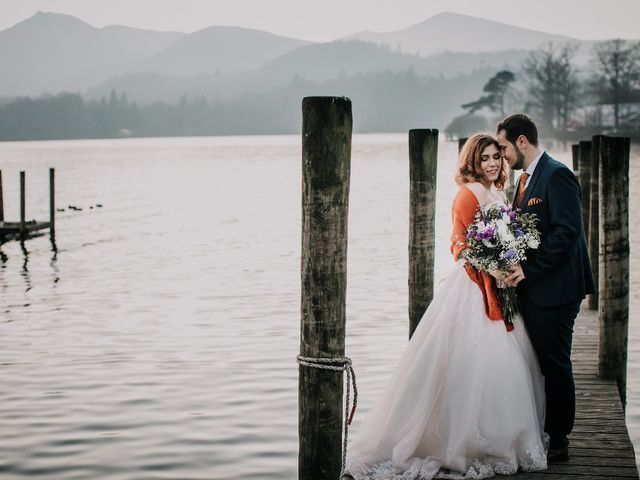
(1, 199)
(575, 158)
(584, 167)
(614, 260)
(23, 226)
(1, 208)
(52, 202)
(594, 214)
(326, 164)
(423, 166)
(461, 142)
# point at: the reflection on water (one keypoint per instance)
(156, 337)
(25, 270)
(54, 247)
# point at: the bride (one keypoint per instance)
(467, 397)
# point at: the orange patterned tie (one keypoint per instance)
(522, 186)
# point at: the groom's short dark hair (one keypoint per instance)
(519, 124)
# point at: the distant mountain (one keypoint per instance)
(218, 49)
(316, 63)
(343, 58)
(50, 52)
(223, 80)
(459, 33)
(53, 52)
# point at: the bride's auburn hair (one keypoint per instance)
(471, 156)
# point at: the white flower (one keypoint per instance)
(489, 243)
(504, 233)
(533, 242)
(506, 218)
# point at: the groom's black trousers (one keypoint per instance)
(550, 330)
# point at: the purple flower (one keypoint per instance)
(486, 234)
(519, 233)
(510, 254)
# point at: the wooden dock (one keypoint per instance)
(600, 447)
(25, 229)
(14, 228)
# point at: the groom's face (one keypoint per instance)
(510, 152)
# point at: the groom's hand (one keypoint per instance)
(516, 276)
(499, 274)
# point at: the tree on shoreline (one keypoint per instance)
(495, 90)
(553, 89)
(617, 78)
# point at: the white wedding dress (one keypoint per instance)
(466, 400)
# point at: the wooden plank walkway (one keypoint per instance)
(600, 447)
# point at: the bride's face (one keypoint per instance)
(490, 164)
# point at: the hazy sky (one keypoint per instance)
(325, 20)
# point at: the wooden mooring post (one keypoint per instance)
(423, 167)
(613, 298)
(23, 226)
(326, 165)
(584, 177)
(52, 203)
(2, 238)
(594, 217)
(575, 155)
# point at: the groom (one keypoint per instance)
(556, 277)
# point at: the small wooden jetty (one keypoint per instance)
(16, 230)
(23, 229)
(600, 447)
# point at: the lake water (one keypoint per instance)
(159, 342)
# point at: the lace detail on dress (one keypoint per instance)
(532, 459)
(535, 459)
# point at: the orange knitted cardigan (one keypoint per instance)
(463, 211)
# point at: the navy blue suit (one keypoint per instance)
(557, 278)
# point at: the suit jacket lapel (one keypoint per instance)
(537, 173)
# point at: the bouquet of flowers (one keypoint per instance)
(498, 239)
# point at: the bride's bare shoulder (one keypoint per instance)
(478, 190)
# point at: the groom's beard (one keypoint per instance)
(520, 158)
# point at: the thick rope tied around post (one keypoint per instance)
(338, 364)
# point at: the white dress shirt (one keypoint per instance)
(532, 167)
